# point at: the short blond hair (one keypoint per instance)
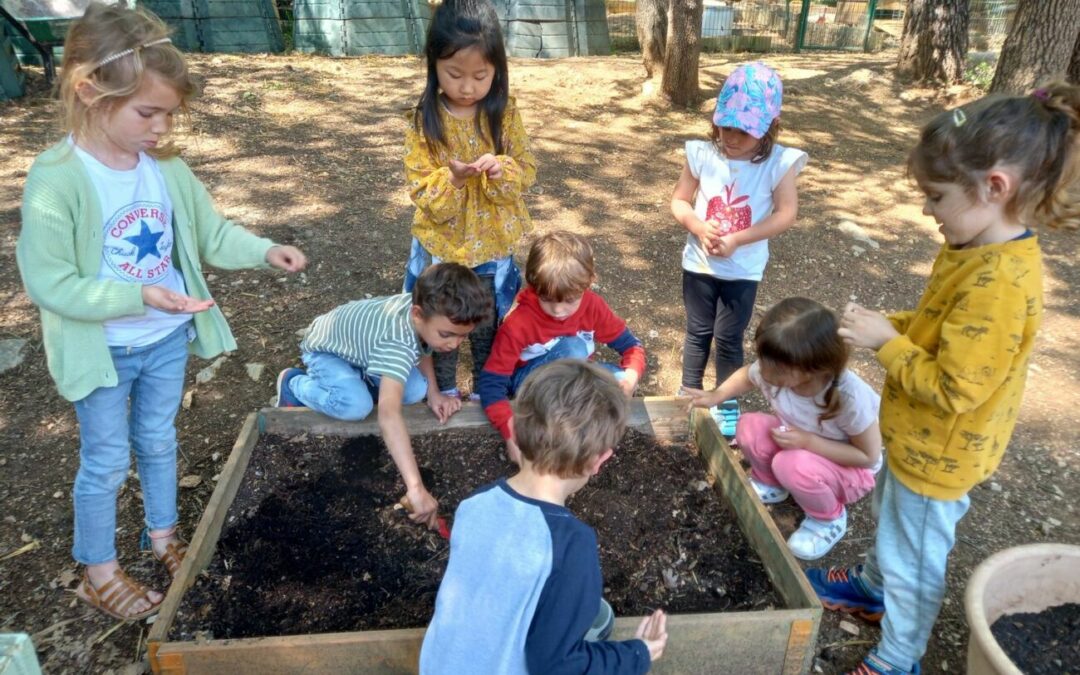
(568, 413)
(101, 33)
(560, 266)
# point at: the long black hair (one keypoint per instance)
(457, 25)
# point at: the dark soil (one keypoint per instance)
(1042, 643)
(314, 542)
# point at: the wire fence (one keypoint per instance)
(774, 25)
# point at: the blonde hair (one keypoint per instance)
(1036, 135)
(560, 266)
(90, 52)
(568, 412)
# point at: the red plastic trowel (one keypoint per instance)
(443, 528)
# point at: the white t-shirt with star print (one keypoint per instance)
(137, 244)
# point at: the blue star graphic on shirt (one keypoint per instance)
(145, 241)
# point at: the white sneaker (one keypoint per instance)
(769, 494)
(815, 538)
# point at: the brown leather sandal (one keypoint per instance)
(116, 596)
(173, 556)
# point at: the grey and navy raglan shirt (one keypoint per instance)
(522, 587)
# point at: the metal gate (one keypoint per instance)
(845, 25)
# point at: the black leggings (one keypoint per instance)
(720, 310)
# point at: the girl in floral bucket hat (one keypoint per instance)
(737, 190)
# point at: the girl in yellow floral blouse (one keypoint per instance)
(467, 162)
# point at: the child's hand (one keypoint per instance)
(653, 632)
(790, 438)
(724, 246)
(489, 164)
(462, 171)
(628, 382)
(710, 234)
(288, 258)
(862, 327)
(702, 399)
(443, 406)
(422, 507)
(172, 302)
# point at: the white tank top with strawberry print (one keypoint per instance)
(738, 193)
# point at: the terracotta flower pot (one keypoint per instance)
(1021, 579)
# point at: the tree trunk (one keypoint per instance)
(651, 20)
(1074, 65)
(680, 81)
(934, 43)
(1040, 45)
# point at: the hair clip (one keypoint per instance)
(959, 117)
(119, 55)
(1041, 94)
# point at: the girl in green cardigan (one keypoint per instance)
(115, 229)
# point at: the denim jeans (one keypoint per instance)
(569, 347)
(139, 412)
(338, 389)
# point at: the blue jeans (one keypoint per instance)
(569, 347)
(338, 389)
(908, 561)
(136, 413)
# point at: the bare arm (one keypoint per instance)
(737, 384)
(682, 206)
(396, 436)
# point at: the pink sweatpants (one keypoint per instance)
(820, 486)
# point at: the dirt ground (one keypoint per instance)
(307, 150)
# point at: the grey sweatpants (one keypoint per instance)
(907, 561)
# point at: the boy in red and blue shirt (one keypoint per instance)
(555, 317)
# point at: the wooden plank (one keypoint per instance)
(754, 519)
(744, 642)
(204, 541)
(800, 647)
(665, 417)
(380, 652)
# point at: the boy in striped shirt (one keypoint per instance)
(379, 351)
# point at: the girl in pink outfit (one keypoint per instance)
(821, 442)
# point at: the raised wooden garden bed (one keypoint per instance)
(768, 641)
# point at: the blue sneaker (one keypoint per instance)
(873, 664)
(727, 417)
(285, 397)
(844, 590)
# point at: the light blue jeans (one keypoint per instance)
(139, 412)
(338, 389)
(569, 347)
(914, 537)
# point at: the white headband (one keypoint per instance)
(120, 55)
